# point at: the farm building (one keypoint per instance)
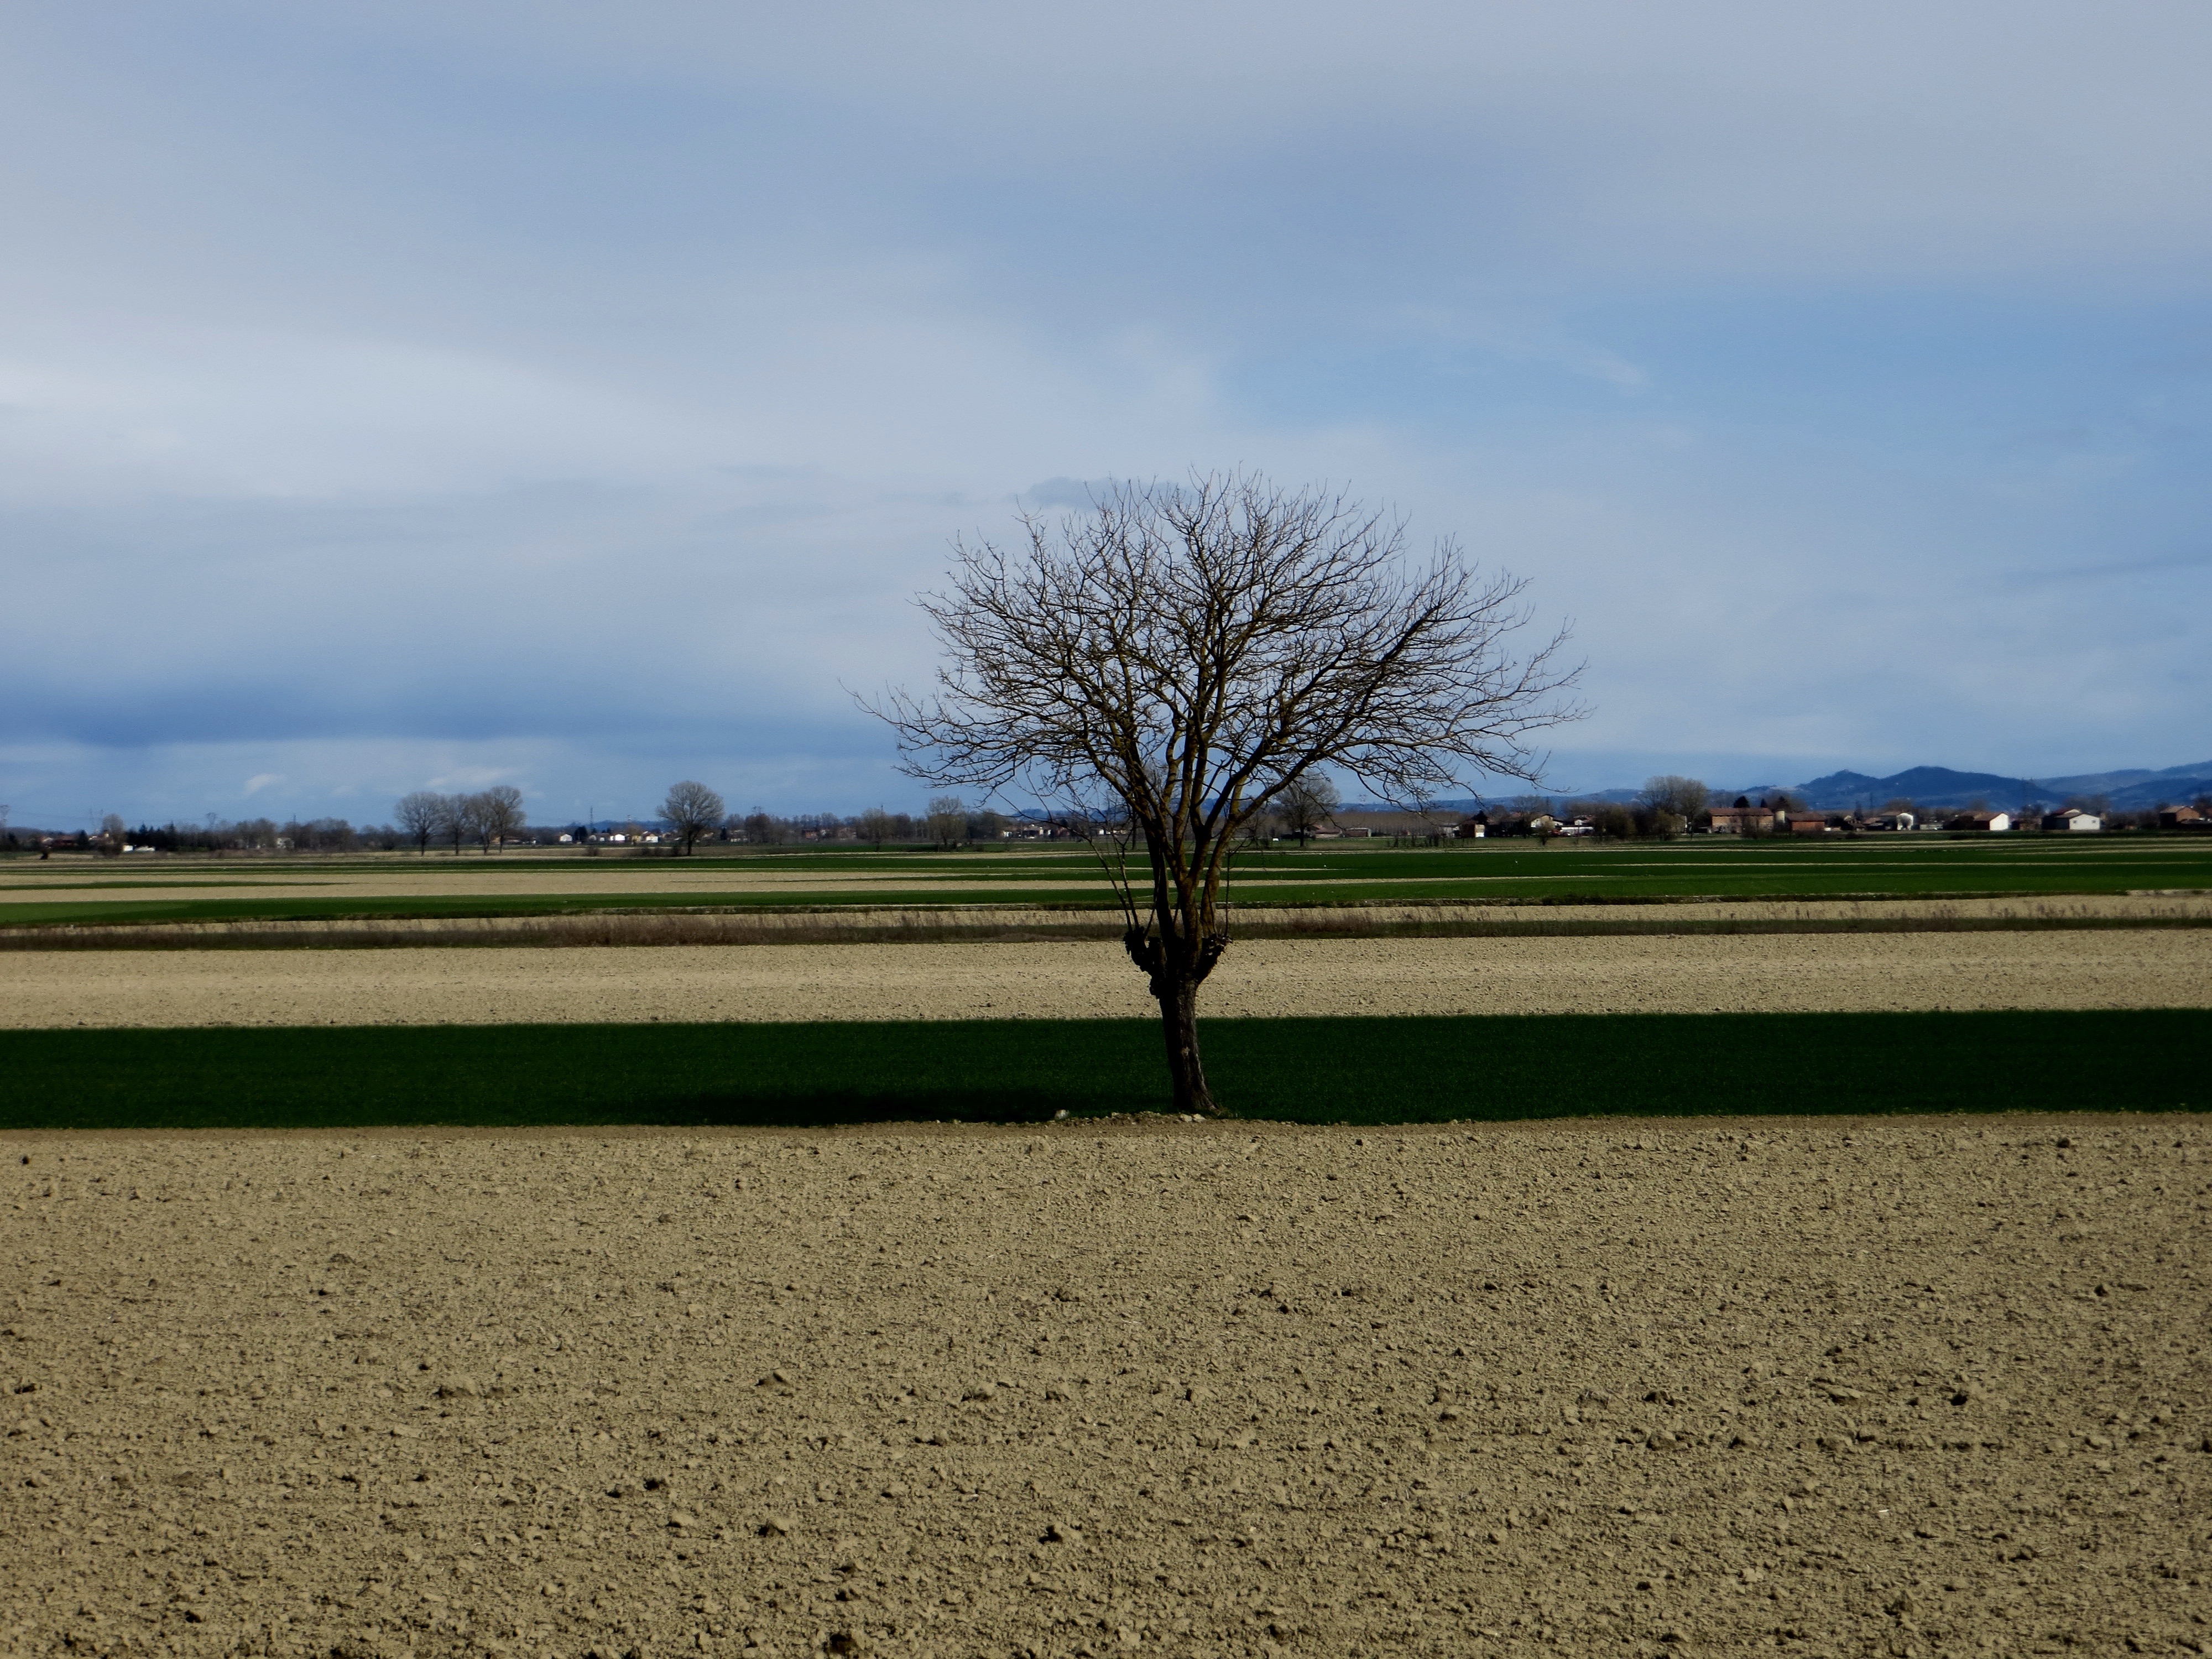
(1762, 819)
(2182, 817)
(2073, 820)
(1991, 823)
(1739, 819)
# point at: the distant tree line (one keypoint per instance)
(496, 817)
(948, 821)
(691, 812)
(489, 818)
(218, 835)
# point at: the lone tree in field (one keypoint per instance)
(692, 809)
(1180, 656)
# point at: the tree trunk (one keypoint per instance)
(1179, 1021)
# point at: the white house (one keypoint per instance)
(2073, 820)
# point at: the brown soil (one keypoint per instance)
(1089, 980)
(1741, 1386)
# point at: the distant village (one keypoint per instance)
(1781, 816)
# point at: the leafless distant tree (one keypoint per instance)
(875, 826)
(1181, 655)
(766, 829)
(1669, 804)
(499, 814)
(1681, 797)
(472, 819)
(421, 815)
(455, 819)
(948, 819)
(1305, 804)
(692, 809)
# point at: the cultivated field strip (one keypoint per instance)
(946, 923)
(78, 888)
(1734, 1387)
(1085, 980)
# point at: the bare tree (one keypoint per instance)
(472, 820)
(1181, 655)
(692, 809)
(420, 816)
(948, 819)
(1305, 804)
(1679, 797)
(1669, 804)
(875, 826)
(454, 818)
(500, 814)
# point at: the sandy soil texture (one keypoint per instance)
(1083, 980)
(1886, 1386)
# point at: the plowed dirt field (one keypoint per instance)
(1740, 1386)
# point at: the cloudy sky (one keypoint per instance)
(396, 396)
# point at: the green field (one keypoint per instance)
(1517, 871)
(1328, 1071)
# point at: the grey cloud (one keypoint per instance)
(365, 368)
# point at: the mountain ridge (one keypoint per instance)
(2130, 789)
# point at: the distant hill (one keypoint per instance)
(2132, 789)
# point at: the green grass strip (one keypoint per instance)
(1368, 1070)
(1521, 872)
